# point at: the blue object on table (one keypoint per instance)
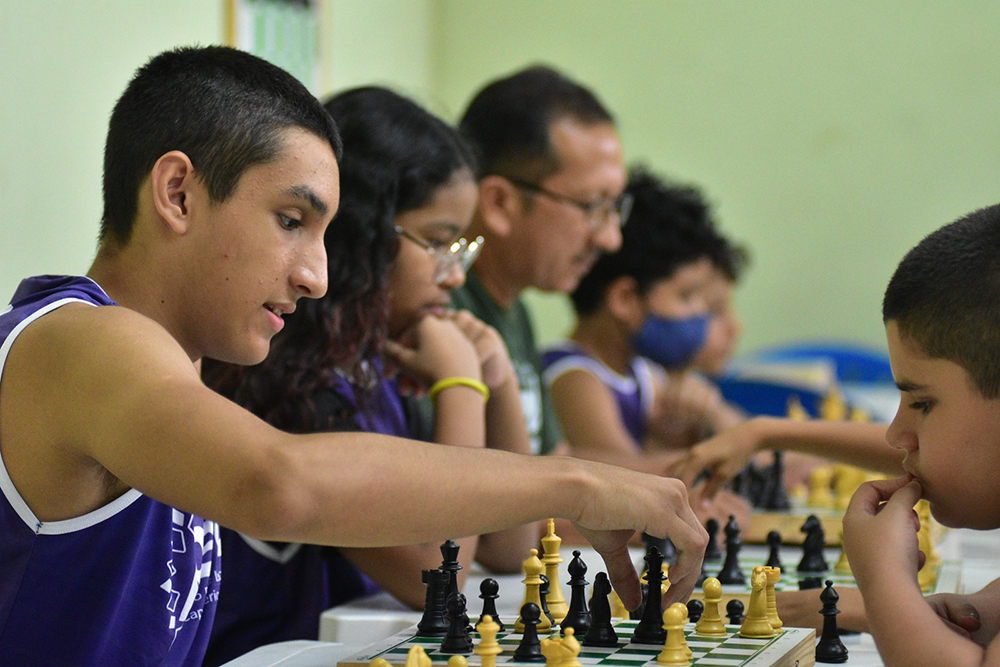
(760, 397)
(853, 362)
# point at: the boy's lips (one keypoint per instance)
(276, 310)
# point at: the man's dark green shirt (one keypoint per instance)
(514, 326)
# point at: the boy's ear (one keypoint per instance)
(624, 302)
(499, 204)
(172, 181)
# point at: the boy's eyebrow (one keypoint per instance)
(307, 193)
(905, 385)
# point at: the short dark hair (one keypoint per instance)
(396, 157)
(945, 296)
(670, 226)
(225, 109)
(507, 122)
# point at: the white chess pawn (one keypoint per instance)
(488, 648)
(710, 624)
(674, 650)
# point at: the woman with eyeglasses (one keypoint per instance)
(395, 250)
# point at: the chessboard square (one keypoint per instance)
(639, 649)
(749, 642)
(720, 662)
(624, 660)
(596, 652)
(425, 640)
(725, 650)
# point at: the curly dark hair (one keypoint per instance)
(670, 226)
(396, 157)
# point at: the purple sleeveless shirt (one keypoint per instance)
(132, 583)
(276, 592)
(633, 392)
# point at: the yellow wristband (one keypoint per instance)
(444, 383)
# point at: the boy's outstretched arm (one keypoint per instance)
(880, 536)
(105, 398)
(725, 455)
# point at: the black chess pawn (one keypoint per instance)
(829, 648)
(602, 631)
(731, 572)
(543, 593)
(457, 640)
(775, 495)
(712, 550)
(650, 628)
(695, 609)
(530, 648)
(434, 622)
(577, 617)
(774, 542)
(812, 546)
(489, 591)
(809, 583)
(734, 611)
(450, 564)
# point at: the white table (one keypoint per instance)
(347, 629)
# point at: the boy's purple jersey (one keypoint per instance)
(633, 392)
(277, 592)
(134, 582)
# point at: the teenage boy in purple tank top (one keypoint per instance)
(220, 182)
(407, 197)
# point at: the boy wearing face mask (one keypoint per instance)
(622, 385)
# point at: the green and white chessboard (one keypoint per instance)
(795, 647)
(948, 580)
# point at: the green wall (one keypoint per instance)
(62, 66)
(831, 137)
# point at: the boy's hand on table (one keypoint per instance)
(958, 613)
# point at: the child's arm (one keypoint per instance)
(725, 455)
(505, 430)
(590, 418)
(881, 543)
(435, 348)
(686, 409)
(97, 399)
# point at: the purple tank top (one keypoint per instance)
(633, 392)
(277, 592)
(132, 583)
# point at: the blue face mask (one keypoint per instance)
(669, 341)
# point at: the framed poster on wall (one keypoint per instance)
(283, 32)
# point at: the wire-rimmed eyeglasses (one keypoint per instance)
(461, 253)
(597, 213)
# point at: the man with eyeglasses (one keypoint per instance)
(550, 201)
